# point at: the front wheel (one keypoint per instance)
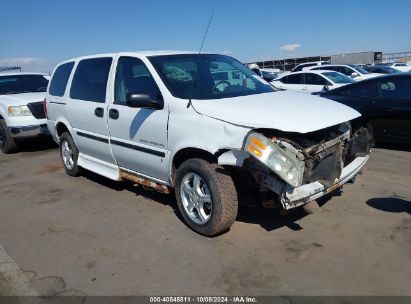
(7, 144)
(206, 197)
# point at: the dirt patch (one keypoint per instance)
(50, 168)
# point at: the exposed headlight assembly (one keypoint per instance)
(275, 158)
(19, 111)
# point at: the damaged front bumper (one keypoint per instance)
(295, 197)
(328, 165)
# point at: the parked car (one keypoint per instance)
(350, 70)
(306, 65)
(267, 76)
(381, 69)
(21, 108)
(303, 66)
(400, 66)
(161, 120)
(312, 81)
(385, 105)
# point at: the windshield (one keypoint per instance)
(378, 69)
(16, 84)
(359, 69)
(208, 76)
(338, 77)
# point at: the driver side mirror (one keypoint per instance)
(136, 100)
(354, 74)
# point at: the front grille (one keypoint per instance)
(37, 109)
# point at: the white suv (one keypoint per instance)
(21, 108)
(166, 120)
(351, 70)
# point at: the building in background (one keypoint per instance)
(396, 57)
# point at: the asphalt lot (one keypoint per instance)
(89, 235)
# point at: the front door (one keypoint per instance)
(138, 136)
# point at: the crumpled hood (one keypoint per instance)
(283, 110)
(21, 99)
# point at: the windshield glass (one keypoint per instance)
(359, 69)
(208, 76)
(338, 77)
(16, 84)
(378, 69)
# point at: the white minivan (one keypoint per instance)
(168, 120)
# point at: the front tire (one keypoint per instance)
(69, 154)
(206, 197)
(7, 144)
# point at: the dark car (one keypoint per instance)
(381, 69)
(265, 75)
(385, 105)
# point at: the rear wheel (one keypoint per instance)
(7, 144)
(206, 197)
(69, 154)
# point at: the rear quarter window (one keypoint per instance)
(60, 78)
(90, 79)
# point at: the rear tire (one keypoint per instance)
(69, 154)
(206, 197)
(7, 143)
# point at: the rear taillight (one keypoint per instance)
(45, 107)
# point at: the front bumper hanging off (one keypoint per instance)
(295, 197)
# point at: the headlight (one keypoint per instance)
(19, 111)
(275, 158)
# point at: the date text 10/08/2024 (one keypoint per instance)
(203, 299)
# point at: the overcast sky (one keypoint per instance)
(39, 34)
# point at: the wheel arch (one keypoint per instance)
(62, 126)
(188, 153)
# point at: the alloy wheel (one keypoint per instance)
(196, 198)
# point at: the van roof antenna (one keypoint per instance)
(199, 52)
(206, 32)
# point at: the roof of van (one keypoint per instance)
(138, 53)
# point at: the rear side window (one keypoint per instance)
(59, 82)
(294, 79)
(314, 79)
(344, 70)
(90, 79)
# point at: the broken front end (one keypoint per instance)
(292, 169)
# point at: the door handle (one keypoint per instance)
(99, 112)
(113, 114)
